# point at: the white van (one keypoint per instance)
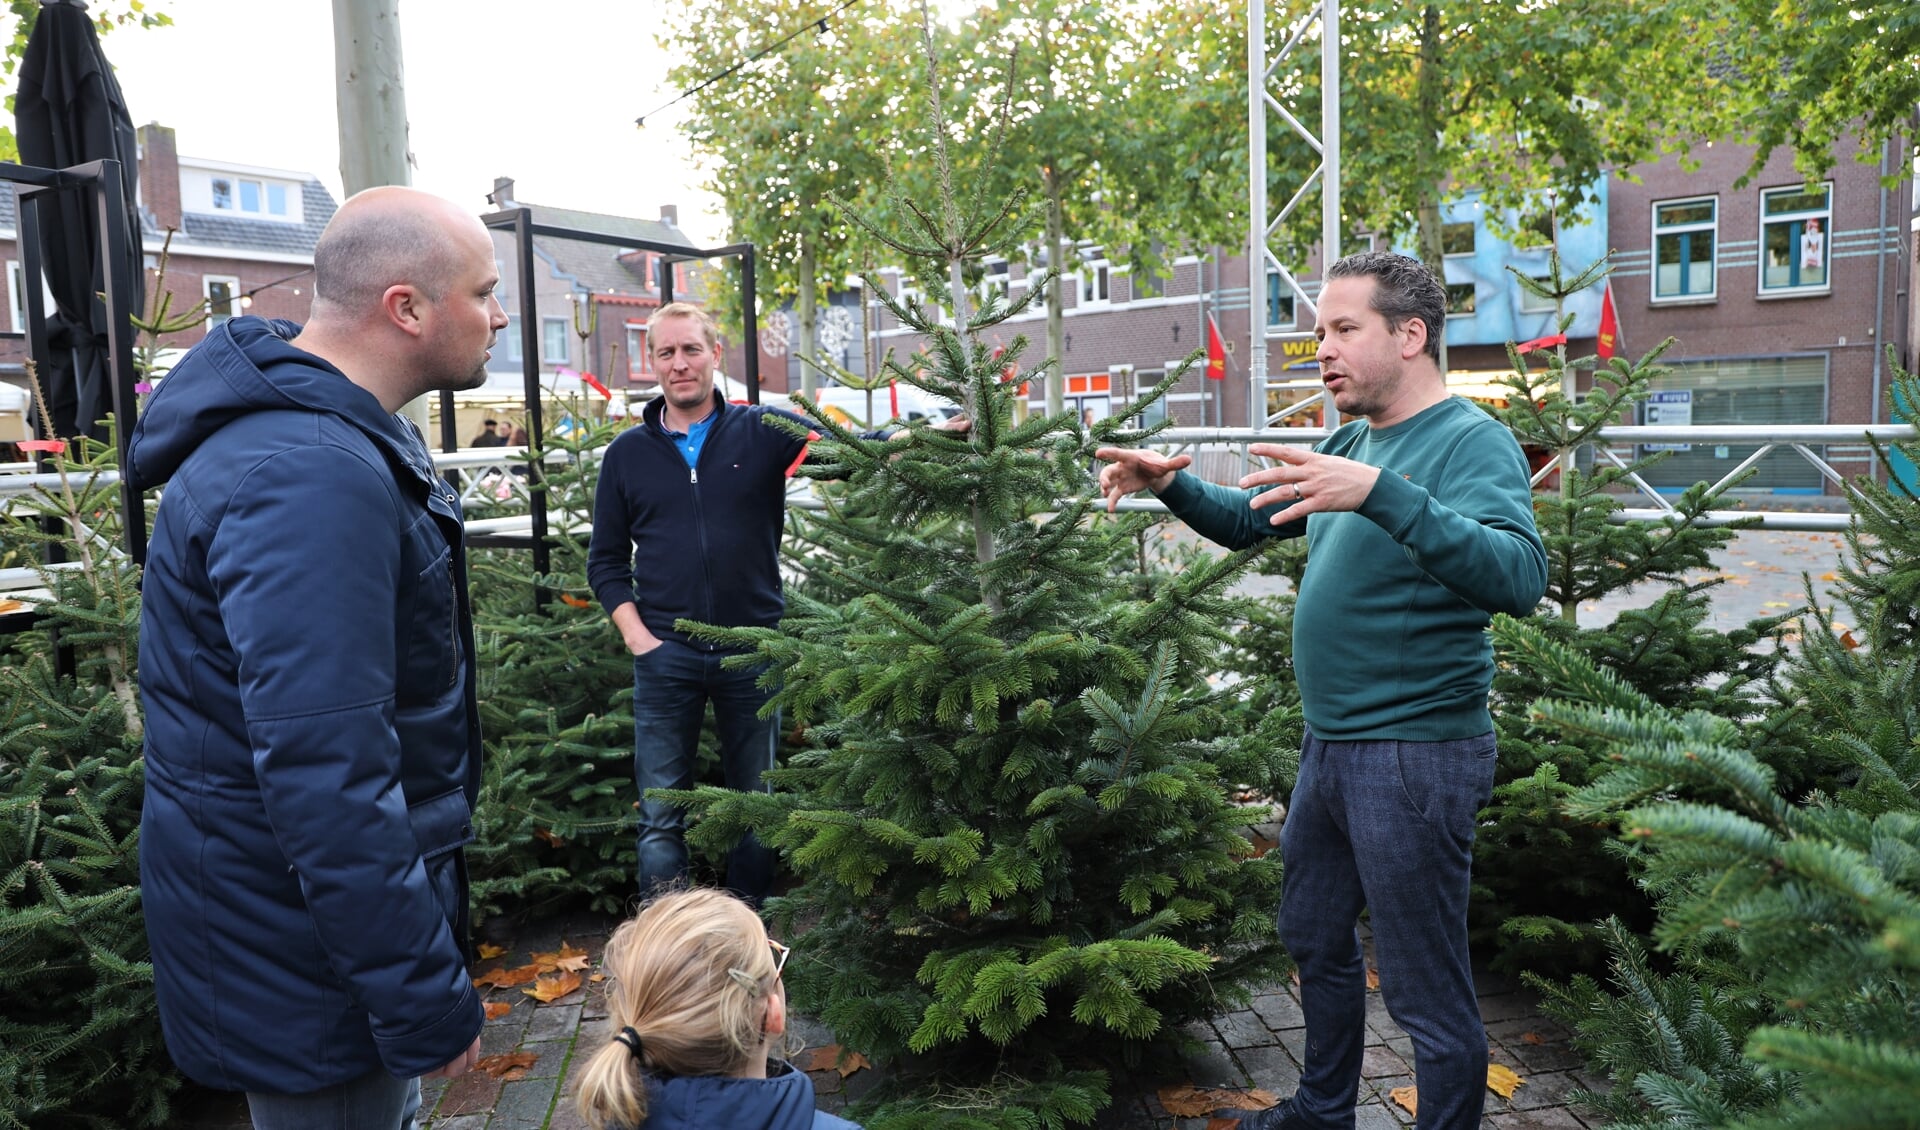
(850, 406)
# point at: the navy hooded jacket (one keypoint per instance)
(709, 1102)
(700, 543)
(312, 742)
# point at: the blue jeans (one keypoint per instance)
(375, 1101)
(672, 685)
(1386, 825)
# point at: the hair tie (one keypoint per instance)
(630, 1038)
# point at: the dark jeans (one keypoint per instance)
(375, 1101)
(1386, 825)
(672, 685)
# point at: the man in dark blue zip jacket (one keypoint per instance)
(312, 745)
(686, 525)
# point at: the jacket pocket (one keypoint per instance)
(441, 824)
(433, 638)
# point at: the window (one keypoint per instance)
(1535, 231)
(1456, 239)
(1531, 303)
(17, 295)
(1683, 248)
(511, 335)
(1460, 300)
(1795, 238)
(1143, 383)
(553, 340)
(636, 351)
(252, 196)
(1095, 279)
(223, 294)
(1279, 302)
(997, 280)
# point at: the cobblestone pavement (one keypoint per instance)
(1762, 573)
(1258, 1047)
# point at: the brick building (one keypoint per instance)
(242, 241)
(1780, 297)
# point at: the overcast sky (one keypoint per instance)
(544, 93)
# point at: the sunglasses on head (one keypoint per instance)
(780, 953)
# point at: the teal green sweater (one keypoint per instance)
(1389, 635)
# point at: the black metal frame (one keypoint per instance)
(520, 222)
(101, 181)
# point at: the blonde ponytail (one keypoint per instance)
(690, 976)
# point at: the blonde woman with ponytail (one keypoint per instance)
(695, 1005)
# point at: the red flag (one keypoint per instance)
(593, 383)
(1609, 340)
(893, 399)
(1542, 343)
(1216, 353)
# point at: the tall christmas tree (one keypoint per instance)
(1009, 811)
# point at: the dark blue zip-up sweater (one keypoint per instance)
(700, 543)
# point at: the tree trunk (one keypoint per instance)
(1428, 97)
(370, 93)
(806, 309)
(1056, 297)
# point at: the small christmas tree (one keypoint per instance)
(79, 1034)
(1010, 812)
(1795, 920)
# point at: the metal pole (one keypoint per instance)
(1330, 157)
(1256, 212)
(530, 374)
(112, 210)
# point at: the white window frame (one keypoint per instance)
(1285, 294)
(233, 194)
(546, 341)
(1095, 279)
(997, 278)
(1796, 220)
(1472, 286)
(286, 200)
(214, 316)
(1685, 229)
(17, 295)
(638, 363)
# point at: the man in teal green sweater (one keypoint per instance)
(1419, 526)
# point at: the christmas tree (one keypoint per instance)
(1009, 809)
(1793, 918)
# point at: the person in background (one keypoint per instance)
(687, 519)
(306, 661)
(489, 437)
(1419, 526)
(694, 1005)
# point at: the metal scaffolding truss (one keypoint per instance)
(1323, 17)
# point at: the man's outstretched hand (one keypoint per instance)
(1129, 470)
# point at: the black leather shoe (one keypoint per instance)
(1279, 1116)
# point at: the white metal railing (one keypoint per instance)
(1220, 454)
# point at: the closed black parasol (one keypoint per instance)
(68, 111)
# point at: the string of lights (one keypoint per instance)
(819, 26)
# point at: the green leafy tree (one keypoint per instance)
(786, 124)
(1010, 815)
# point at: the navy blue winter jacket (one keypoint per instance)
(710, 1102)
(703, 542)
(312, 742)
